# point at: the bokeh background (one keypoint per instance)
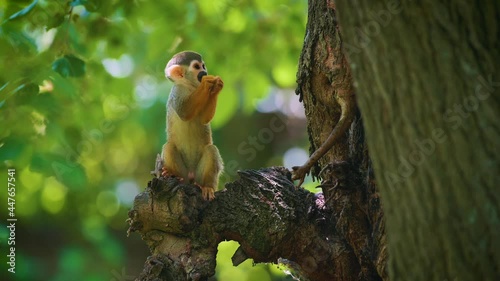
(82, 117)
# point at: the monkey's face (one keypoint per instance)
(198, 69)
(186, 68)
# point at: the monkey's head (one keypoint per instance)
(186, 68)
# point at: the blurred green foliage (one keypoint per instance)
(82, 114)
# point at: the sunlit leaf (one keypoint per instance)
(284, 73)
(107, 203)
(235, 21)
(53, 195)
(259, 274)
(69, 66)
(22, 12)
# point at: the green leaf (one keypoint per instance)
(11, 148)
(69, 66)
(284, 73)
(29, 89)
(65, 169)
(25, 93)
(19, 39)
(2, 102)
(22, 12)
(64, 86)
(55, 21)
(3, 86)
(46, 104)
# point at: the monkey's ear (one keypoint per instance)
(174, 72)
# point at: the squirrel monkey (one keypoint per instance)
(189, 152)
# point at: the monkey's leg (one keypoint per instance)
(173, 165)
(208, 171)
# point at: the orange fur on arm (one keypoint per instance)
(196, 101)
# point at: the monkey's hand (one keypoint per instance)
(214, 84)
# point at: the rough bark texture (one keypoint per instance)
(324, 83)
(263, 211)
(427, 85)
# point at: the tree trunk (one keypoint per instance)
(324, 84)
(427, 87)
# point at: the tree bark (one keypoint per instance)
(324, 83)
(427, 82)
(263, 210)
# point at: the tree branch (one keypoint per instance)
(262, 210)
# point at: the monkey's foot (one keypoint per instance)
(165, 173)
(207, 193)
(299, 173)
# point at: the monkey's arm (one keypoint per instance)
(347, 106)
(189, 107)
(208, 111)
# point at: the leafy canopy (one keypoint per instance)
(82, 104)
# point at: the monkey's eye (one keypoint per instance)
(203, 65)
(197, 66)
